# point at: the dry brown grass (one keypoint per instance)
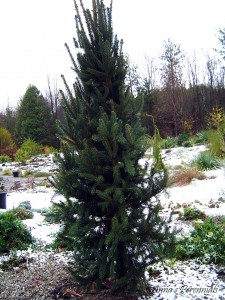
(185, 176)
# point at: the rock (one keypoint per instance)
(220, 271)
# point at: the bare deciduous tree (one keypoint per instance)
(53, 95)
(172, 82)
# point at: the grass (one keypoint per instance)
(184, 176)
(206, 161)
(41, 174)
(27, 173)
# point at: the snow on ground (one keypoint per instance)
(42, 231)
(174, 282)
(39, 197)
(199, 192)
(181, 155)
(187, 281)
(203, 194)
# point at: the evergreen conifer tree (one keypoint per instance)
(110, 221)
(34, 119)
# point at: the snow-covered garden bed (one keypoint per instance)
(177, 280)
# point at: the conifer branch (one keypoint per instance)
(87, 19)
(78, 18)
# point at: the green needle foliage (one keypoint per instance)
(34, 120)
(13, 233)
(109, 218)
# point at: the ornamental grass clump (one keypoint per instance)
(206, 161)
(185, 176)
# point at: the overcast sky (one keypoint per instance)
(33, 33)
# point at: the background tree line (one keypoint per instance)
(33, 119)
(179, 92)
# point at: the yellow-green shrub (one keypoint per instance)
(5, 138)
(7, 172)
(216, 143)
(28, 149)
(217, 118)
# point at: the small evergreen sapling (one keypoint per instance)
(109, 218)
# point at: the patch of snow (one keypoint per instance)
(40, 230)
(40, 197)
(186, 280)
(198, 191)
(181, 155)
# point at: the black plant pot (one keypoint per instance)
(15, 173)
(3, 200)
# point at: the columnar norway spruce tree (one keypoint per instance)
(109, 218)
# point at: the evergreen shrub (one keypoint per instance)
(25, 204)
(182, 138)
(14, 234)
(60, 215)
(54, 214)
(22, 213)
(42, 211)
(34, 118)
(190, 213)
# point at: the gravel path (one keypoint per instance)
(45, 278)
